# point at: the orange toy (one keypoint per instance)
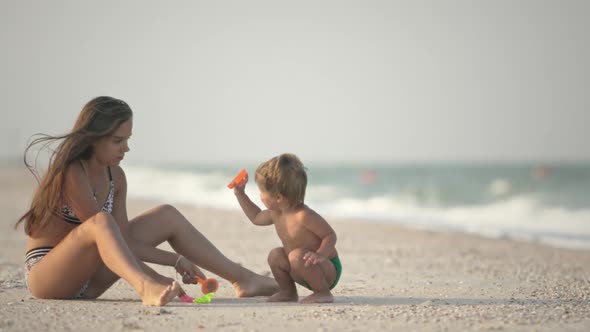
(208, 285)
(239, 179)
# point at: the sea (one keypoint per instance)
(539, 202)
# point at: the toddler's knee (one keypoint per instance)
(276, 256)
(296, 257)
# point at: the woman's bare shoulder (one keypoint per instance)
(74, 171)
(119, 177)
(117, 172)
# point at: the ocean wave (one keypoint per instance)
(522, 216)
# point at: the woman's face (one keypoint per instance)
(111, 149)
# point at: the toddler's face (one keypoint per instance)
(266, 198)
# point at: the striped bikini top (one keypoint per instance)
(68, 213)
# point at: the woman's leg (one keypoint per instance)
(62, 272)
(166, 223)
(104, 278)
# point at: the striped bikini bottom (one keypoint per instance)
(34, 256)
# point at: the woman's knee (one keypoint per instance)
(167, 213)
(98, 223)
(170, 215)
(102, 220)
(165, 209)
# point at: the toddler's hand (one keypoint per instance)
(189, 271)
(313, 258)
(240, 187)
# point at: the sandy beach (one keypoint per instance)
(394, 278)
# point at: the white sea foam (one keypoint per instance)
(521, 217)
(499, 187)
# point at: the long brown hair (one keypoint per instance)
(100, 117)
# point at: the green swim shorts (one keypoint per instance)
(338, 266)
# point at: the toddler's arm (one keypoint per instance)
(252, 211)
(319, 226)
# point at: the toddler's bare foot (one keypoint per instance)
(255, 285)
(319, 297)
(156, 294)
(283, 296)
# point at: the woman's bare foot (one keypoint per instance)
(156, 294)
(255, 285)
(319, 297)
(284, 296)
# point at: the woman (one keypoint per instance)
(80, 240)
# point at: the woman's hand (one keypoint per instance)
(188, 270)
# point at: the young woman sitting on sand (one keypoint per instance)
(79, 238)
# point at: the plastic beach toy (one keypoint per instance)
(204, 299)
(208, 285)
(239, 179)
(186, 299)
(201, 300)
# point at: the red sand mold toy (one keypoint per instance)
(239, 179)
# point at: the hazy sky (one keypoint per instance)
(329, 80)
